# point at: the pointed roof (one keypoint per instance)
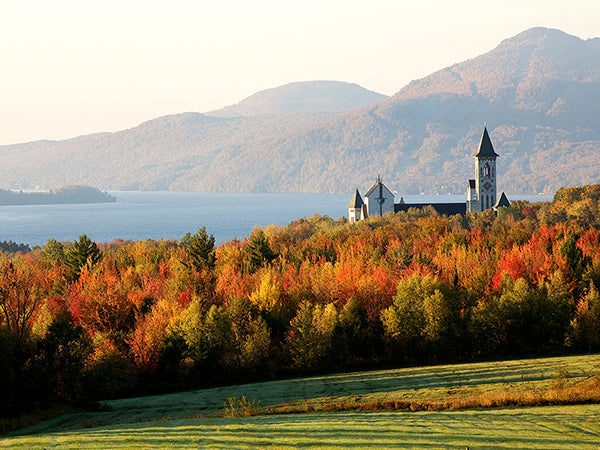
(356, 201)
(502, 201)
(486, 149)
(378, 183)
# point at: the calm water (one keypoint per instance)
(169, 215)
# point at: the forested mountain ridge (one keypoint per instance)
(539, 92)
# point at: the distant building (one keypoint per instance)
(481, 191)
(379, 199)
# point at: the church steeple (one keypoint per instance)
(486, 149)
(485, 173)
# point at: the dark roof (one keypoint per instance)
(471, 184)
(356, 201)
(486, 149)
(447, 209)
(502, 201)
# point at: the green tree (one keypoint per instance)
(554, 312)
(83, 253)
(405, 320)
(352, 341)
(53, 252)
(524, 318)
(310, 339)
(258, 251)
(585, 326)
(207, 335)
(201, 249)
(251, 336)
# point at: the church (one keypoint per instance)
(481, 191)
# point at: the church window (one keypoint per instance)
(486, 170)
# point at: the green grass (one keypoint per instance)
(553, 427)
(180, 420)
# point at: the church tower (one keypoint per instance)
(484, 195)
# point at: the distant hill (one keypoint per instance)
(65, 194)
(304, 96)
(539, 92)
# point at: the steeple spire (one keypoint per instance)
(486, 149)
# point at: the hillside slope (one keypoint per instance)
(167, 153)
(539, 92)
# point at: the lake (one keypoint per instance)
(169, 215)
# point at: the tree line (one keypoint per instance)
(83, 321)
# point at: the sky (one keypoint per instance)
(74, 67)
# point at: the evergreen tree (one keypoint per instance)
(259, 251)
(83, 253)
(201, 249)
(53, 252)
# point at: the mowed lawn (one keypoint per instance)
(180, 420)
(568, 427)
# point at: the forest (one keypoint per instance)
(82, 321)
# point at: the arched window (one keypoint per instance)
(486, 170)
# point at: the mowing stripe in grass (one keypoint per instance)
(565, 427)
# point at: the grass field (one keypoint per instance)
(180, 420)
(568, 427)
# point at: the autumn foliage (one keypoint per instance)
(81, 321)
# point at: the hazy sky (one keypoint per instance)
(72, 67)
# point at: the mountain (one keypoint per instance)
(539, 92)
(304, 96)
(167, 152)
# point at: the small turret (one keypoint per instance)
(356, 208)
(502, 202)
